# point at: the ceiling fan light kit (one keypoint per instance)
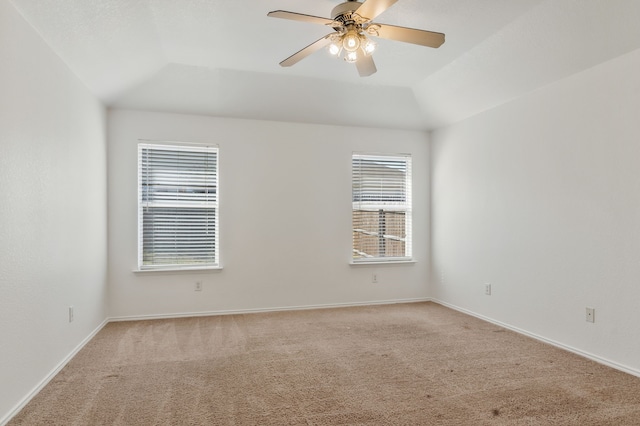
(352, 22)
(351, 46)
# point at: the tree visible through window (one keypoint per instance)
(381, 195)
(177, 206)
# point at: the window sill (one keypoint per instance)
(381, 262)
(193, 270)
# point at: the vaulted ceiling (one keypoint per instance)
(220, 57)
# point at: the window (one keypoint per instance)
(177, 206)
(381, 213)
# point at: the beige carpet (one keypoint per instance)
(410, 364)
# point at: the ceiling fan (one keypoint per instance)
(352, 23)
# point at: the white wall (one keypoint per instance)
(285, 217)
(52, 210)
(541, 198)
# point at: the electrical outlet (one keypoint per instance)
(591, 315)
(70, 313)
(374, 278)
(198, 286)
(487, 289)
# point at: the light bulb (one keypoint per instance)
(351, 41)
(351, 57)
(369, 47)
(334, 49)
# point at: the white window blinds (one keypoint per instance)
(381, 195)
(177, 206)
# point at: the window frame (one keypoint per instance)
(213, 204)
(406, 207)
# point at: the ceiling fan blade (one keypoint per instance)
(313, 47)
(410, 35)
(300, 17)
(366, 66)
(372, 8)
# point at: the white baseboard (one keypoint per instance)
(600, 360)
(261, 310)
(4, 420)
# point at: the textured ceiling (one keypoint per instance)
(221, 57)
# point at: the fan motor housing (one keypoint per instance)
(345, 9)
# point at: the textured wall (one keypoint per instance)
(540, 198)
(52, 210)
(285, 217)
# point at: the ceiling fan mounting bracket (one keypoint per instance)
(345, 11)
